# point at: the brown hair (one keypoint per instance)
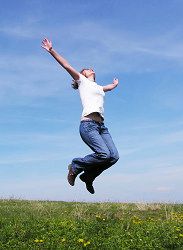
(74, 83)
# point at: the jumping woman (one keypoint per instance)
(92, 129)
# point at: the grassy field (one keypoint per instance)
(102, 226)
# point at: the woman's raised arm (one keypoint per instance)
(47, 45)
(111, 86)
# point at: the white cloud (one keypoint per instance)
(174, 137)
(28, 73)
(31, 76)
(164, 189)
(152, 134)
(160, 185)
(38, 75)
(126, 51)
(149, 186)
(18, 31)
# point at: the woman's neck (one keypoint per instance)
(91, 78)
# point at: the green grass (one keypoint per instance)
(101, 226)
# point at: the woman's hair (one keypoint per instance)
(74, 83)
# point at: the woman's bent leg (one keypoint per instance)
(114, 156)
(90, 133)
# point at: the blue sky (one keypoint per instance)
(140, 42)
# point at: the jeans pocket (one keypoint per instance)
(87, 126)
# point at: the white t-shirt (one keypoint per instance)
(92, 96)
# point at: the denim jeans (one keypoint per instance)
(98, 138)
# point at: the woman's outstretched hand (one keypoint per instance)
(111, 86)
(115, 81)
(46, 44)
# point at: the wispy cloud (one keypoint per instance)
(37, 75)
(174, 137)
(20, 31)
(136, 187)
(164, 189)
(113, 187)
(128, 51)
(31, 76)
(26, 27)
(35, 90)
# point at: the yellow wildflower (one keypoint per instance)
(86, 243)
(80, 240)
(38, 241)
(136, 221)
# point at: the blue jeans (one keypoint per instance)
(98, 138)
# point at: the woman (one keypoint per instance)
(92, 128)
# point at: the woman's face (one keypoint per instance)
(88, 72)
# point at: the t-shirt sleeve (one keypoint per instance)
(101, 88)
(81, 79)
